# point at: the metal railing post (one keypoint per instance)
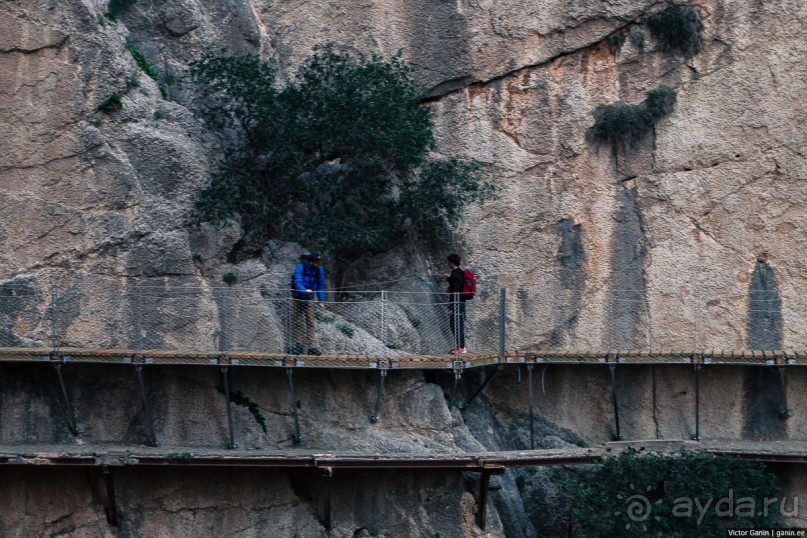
(502, 317)
(224, 343)
(697, 317)
(54, 324)
(384, 321)
(138, 315)
(455, 313)
(289, 348)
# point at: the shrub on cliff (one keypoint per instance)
(689, 494)
(624, 125)
(338, 159)
(677, 29)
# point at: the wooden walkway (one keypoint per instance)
(330, 465)
(126, 356)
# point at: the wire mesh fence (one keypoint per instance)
(176, 315)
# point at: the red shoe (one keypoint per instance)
(458, 351)
(453, 351)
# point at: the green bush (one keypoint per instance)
(659, 103)
(323, 317)
(635, 495)
(149, 70)
(346, 330)
(677, 29)
(338, 159)
(116, 8)
(238, 398)
(624, 125)
(111, 103)
(141, 61)
(229, 278)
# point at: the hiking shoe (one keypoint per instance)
(297, 349)
(314, 351)
(462, 350)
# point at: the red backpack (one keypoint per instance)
(468, 284)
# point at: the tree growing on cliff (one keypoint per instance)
(680, 496)
(339, 159)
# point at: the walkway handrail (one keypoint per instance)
(415, 322)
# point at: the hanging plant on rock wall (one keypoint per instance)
(677, 30)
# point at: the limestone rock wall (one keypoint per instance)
(692, 239)
(681, 221)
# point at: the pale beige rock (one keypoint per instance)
(683, 222)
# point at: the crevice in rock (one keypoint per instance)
(56, 45)
(433, 95)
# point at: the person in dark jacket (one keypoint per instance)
(308, 288)
(456, 305)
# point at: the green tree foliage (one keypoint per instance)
(678, 30)
(111, 103)
(624, 125)
(141, 61)
(635, 495)
(338, 159)
(115, 8)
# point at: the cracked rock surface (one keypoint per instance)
(674, 243)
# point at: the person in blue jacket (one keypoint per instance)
(308, 288)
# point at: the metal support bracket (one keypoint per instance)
(612, 365)
(110, 504)
(698, 363)
(484, 482)
(784, 411)
(467, 402)
(147, 420)
(226, 377)
(327, 475)
(58, 359)
(295, 405)
(382, 374)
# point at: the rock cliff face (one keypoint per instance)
(691, 239)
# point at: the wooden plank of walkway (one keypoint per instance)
(89, 455)
(412, 361)
(137, 456)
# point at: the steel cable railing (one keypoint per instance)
(179, 315)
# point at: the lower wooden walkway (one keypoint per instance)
(328, 464)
